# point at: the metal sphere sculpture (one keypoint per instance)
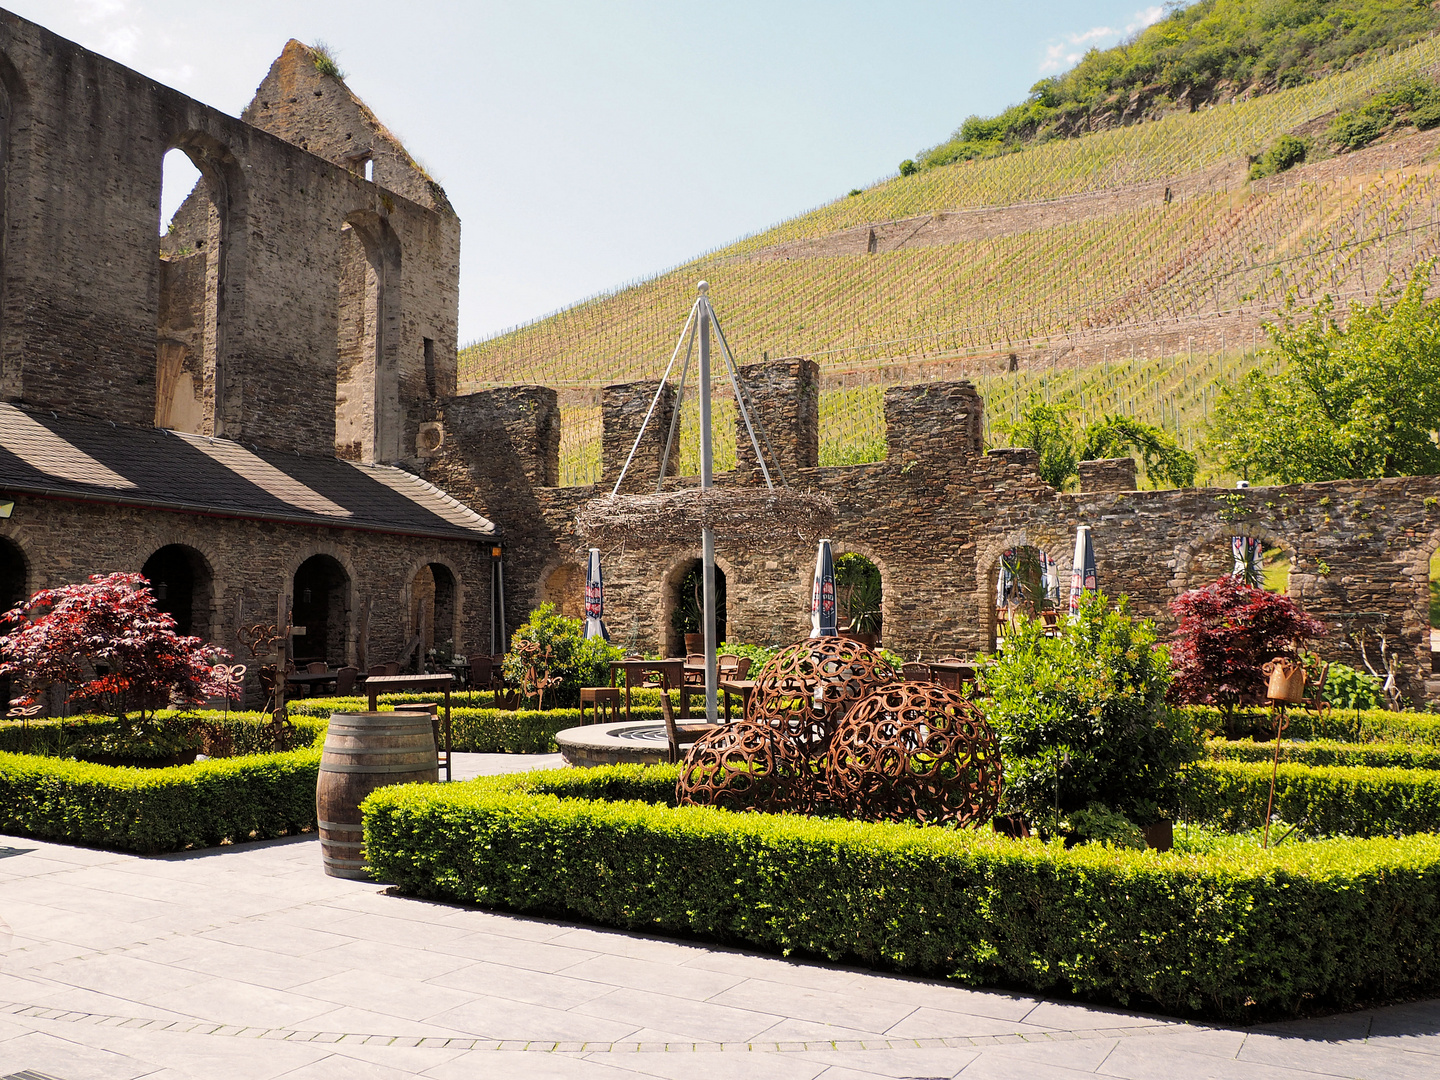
(744, 766)
(805, 689)
(916, 752)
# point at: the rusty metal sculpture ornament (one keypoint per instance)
(805, 689)
(916, 752)
(745, 766)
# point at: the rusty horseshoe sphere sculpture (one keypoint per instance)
(916, 752)
(745, 766)
(805, 689)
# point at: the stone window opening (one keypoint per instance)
(429, 350)
(860, 590)
(320, 602)
(367, 382)
(1216, 559)
(183, 586)
(191, 222)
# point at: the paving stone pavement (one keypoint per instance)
(249, 963)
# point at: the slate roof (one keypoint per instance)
(42, 454)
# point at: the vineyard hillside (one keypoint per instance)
(1124, 270)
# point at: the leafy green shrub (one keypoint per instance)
(759, 654)
(1328, 752)
(150, 810)
(1347, 688)
(567, 654)
(72, 736)
(1330, 800)
(1285, 152)
(1082, 718)
(1416, 100)
(908, 167)
(1238, 934)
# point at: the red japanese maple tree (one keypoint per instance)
(1226, 632)
(108, 641)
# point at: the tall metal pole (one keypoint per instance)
(707, 534)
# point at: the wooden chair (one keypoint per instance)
(1051, 619)
(733, 668)
(345, 680)
(672, 730)
(695, 669)
(375, 669)
(317, 667)
(916, 672)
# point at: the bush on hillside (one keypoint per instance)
(1285, 153)
(1083, 720)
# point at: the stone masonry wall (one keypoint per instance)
(623, 408)
(65, 542)
(936, 515)
(81, 272)
(784, 398)
(1107, 474)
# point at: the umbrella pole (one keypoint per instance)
(707, 534)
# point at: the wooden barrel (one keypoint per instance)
(365, 751)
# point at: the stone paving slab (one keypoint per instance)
(247, 962)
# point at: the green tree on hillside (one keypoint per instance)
(1049, 430)
(1362, 400)
(1197, 54)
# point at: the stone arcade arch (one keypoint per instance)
(1059, 547)
(1208, 557)
(434, 607)
(564, 586)
(367, 384)
(190, 376)
(14, 587)
(681, 585)
(184, 586)
(321, 604)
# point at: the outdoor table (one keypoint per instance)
(951, 673)
(312, 678)
(379, 684)
(743, 687)
(672, 670)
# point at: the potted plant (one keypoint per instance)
(857, 581)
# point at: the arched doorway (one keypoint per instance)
(433, 610)
(860, 591)
(1260, 560)
(321, 604)
(1025, 581)
(14, 578)
(689, 604)
(180, 580)
(565, 588)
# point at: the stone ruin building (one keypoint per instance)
(258, 410)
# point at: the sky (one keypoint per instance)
(585, 145)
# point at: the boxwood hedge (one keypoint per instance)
(1329, 752)
(480, 730)
(1331, 800)
(1344, 725)
(1231, 936)
(152, 810)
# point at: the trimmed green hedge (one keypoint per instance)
(480, 731)
(52, 737)
(1343, 725)
(1329, 752)
(1233, 936)
(1325, 800)
(151, 810)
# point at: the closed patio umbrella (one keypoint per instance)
(1246, 557)
(595, 599)
(822, 594)
(1082, 577)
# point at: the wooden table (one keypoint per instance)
(376, 685)
(672, 671)
(951, 673)
(743, 687)
(311, 678)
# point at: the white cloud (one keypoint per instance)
(1066, 52)
(114, 27)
